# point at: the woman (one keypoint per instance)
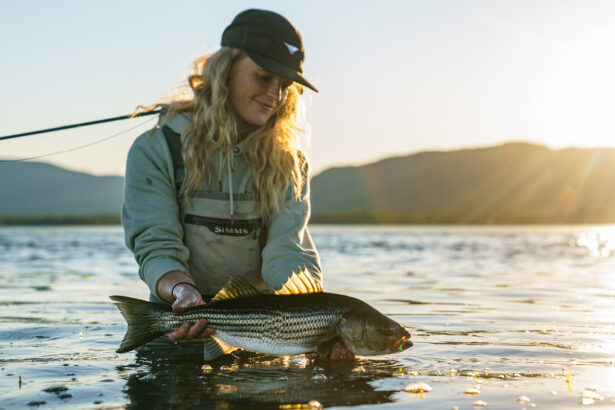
(219, 187)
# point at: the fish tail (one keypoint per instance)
(142, 318)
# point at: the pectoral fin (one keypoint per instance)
(214, 348)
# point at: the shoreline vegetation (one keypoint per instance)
(96, 219)
(469, 218)
(355, 217)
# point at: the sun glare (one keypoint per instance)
(600, 242)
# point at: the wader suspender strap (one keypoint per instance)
(175, 148)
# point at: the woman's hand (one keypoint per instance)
(186, 296)
(183, 296)
(337, 352)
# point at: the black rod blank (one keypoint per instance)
(83, 124)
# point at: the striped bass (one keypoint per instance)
(273, 324)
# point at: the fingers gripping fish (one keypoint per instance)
(285, 324)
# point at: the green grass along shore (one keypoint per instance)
(98, 219)
(354, 217)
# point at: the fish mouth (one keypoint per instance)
(402, 343)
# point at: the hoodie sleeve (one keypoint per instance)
(289, 248)
(150, 213)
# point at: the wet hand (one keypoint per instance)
(185, 297)
(337, 352)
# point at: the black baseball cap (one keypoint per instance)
(270, 41)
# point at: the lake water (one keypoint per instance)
(508, 313)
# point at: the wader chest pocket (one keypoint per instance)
(225, 226)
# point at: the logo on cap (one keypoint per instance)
(291, 49)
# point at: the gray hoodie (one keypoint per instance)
(218, 232)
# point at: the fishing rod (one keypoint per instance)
(74, 148)
(83, 124)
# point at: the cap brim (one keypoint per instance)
(278, 68)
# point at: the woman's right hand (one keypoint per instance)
(186, 296)
(183, 296)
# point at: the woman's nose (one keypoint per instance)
(275, 89)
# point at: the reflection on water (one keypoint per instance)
(505, 312)
(598, 241)
(245, 379)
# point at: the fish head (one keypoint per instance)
(369, 332)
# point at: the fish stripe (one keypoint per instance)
(289, 328)
(289, 324)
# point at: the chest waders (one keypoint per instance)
(223, 231)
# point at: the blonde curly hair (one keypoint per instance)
(277, 164)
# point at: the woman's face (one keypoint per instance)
(256, 94)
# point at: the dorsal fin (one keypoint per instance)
(236, 287)
(302, 282)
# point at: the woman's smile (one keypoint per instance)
(267, 107)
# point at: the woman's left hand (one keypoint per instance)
(337, 352)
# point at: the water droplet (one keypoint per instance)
(319, 376)
(523, 399)
(418, 388)
(472, 390)
(589, 394)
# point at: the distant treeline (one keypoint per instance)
(357, 217)
(100, 219)
(367, 217)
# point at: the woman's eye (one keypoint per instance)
(264, 77)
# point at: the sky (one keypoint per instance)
(395, 77)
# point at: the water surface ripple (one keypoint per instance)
(506, 311)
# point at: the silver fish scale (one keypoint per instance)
(288, 325)
(269, 330)
(275, 332)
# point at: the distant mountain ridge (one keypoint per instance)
(510, 183)
(37, 188)
(515, 182)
